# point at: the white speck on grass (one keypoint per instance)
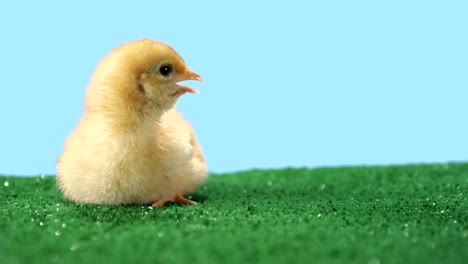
(319, 215)
(57, 233)
(74, 247)
(64, 225)
(41, 223)
(43, 176)
(6, 184)
(322, 187)
(160, 234)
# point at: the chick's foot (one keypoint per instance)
(178, 198)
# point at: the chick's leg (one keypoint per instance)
(182, 200)
(178, 198)
(162, 201)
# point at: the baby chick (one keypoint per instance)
(131, 146)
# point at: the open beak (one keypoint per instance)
(188, 75)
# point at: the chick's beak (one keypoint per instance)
(189, 75)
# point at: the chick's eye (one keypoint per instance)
(165, 70)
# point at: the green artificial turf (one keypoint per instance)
(393, 214)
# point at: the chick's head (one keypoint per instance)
(158, 81)
(142, 73)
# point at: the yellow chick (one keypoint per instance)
(131, 146)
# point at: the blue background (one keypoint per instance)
(287, 83)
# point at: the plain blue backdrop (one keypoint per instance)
(287, 83)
